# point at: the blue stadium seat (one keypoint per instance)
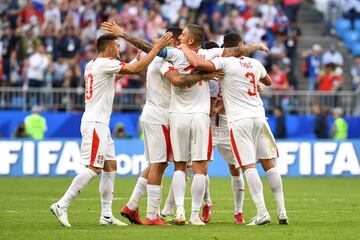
(355, 49)
(350, 38)
(341, 26)
(357, 25)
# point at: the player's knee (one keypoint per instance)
(145, 172)
(246, 167)
(234, 171)
(110, 166)
(267, 164)
(95, 170)
(180, 166)
(200, 167)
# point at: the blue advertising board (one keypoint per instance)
(61, 158)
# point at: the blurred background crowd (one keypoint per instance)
(47, 43)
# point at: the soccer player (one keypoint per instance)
(155, 124)
(250, 134)
(189, 118)
(97, 148)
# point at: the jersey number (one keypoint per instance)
(252, 81)
(89, 81)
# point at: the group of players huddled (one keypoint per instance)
(196, 98)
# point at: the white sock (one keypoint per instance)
(276, 187)
(197, 194)
(207, 199)
(154, 200)
(137, 194)
(169, 203)
(78, 184)
(179, 186)
(239, 193)
(256, 190)
(106, 189)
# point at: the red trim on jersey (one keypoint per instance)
(277, 152)
(122, 66)
(94, 147)
(223, 53)
(213, 65)
(210, 144)
(111, 58)
(191, 68)
(167, 141)
(171, 68)
(235, 150)
(171, 149)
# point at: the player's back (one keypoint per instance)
(99, 89)
(239, 87)
(195, 98)
(158, 90)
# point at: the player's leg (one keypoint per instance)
(242, 143)
(180, 142)
(201, 152)
(130, 210)
(237, 180)
(267, 155)
(159, 153)
(92, 154)
(106, 189)
(238, 188)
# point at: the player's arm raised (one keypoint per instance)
(144, 62)
(244, 49)
(114, 29)
(196, 61)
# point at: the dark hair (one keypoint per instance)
(196, 32)
(103, 41)
(176, 31)
(210, 45)
(232, 39)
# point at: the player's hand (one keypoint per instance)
(263, 47)
(217, 75)
(260, 88)
(112, 29)
(164, 41)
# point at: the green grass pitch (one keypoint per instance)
(318, 208)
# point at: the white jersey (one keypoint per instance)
(158, 92)
(100, 89)
(218, 120)
(239, 87)
(190, 99)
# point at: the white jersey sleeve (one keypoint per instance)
(112, 66)
(166, 67)
(213, 52)
(219, 63)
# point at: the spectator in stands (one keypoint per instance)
(352, 10)
(20, 131)
(340, 126)
(321, 129)
(49, 40)
(27, 42)
(291, 8)
(13, 13)
(120, 133)
(52, 15)
(15, 77)
(8, 44)
(289, 71)
(293, 34)
(69, 45)
(279, 79)
(38, 64)
(313, 64)
(35, 124)
(59, 69)
(333, 56)
(355, 73)
(329, 17)
(328, 79)
(278, 50)
(280, 129)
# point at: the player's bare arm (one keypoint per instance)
(186, 80)
(114, 29)
(266, 80)
(144, 62)
(196, 61)
(245, 49)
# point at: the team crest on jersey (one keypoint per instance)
(100, 159)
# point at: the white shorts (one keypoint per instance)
(97, 145)
(221, 140)
(252, 140)
(190, 133)
(157, 144)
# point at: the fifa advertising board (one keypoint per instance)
(62, 157)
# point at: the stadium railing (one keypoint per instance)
(67, 99)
